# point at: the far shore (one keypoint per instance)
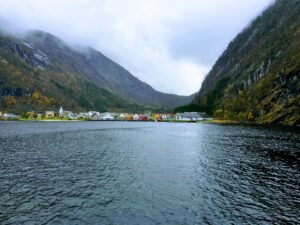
(55, 120)
(214, 121)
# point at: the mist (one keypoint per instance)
(170, 45)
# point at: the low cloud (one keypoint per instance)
(169, 44)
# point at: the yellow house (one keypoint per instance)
(49, 114)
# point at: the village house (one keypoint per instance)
(122, 116)
(107, 116)
(49, 114)
(83, 115)
(136, 117)
(72, 116)
(157, 117)
(10, 116)
(189, 116)
(143, 117)
(167, 117)
(39, 116)
(129, 117)
(94, 115)
(67, 114)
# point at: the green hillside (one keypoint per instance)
(257, 78)
(78, 79)
(25, 86)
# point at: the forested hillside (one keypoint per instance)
(257, 78)
(39, 71)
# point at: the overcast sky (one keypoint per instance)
(170, 44)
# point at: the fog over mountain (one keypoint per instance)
(170, 45)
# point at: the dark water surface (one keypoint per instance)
(148, 173)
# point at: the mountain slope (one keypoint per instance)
(27, 84)
(91, 64)
(79, 79)
(257, 77)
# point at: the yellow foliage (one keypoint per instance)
(250, 116)
(219, 114)
(9, 101)
(36, 95)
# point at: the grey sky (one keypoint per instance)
(170, 44)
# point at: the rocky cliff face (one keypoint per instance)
(258, 77)
(94, 66)
(31, 80)
(41, 61)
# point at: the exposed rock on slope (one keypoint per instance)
(78, 79)
(258, 77)
(93, 65)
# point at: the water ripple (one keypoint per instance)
(148, 173)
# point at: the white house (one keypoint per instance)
(67, 114)
(92, 115)
(107, 116)
(122, 116)
(73, 116)
(10, 116)
(136, 117)
(49, 114)
(189, 116)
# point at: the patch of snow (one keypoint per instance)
(27, 45)
(42, 58)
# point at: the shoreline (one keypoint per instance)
(231, 122)
(216, 122)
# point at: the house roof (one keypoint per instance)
(192, 115)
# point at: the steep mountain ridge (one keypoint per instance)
(91, 64)
(80, 79)
(257, 77)
(28, 83)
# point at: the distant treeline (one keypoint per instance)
(191, 108)
(18, 92)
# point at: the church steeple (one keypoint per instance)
(61, 112)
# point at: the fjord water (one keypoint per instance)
(148, 173)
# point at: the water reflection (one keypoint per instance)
(147, 173)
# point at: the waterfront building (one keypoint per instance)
(107, 116)
(189, 116)
(143, 117)
(49, 114)
(94, 115)
(136, 117)
(122, 116)
(69, 115)
(72, 116)
(61, 112)
(129, 117)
